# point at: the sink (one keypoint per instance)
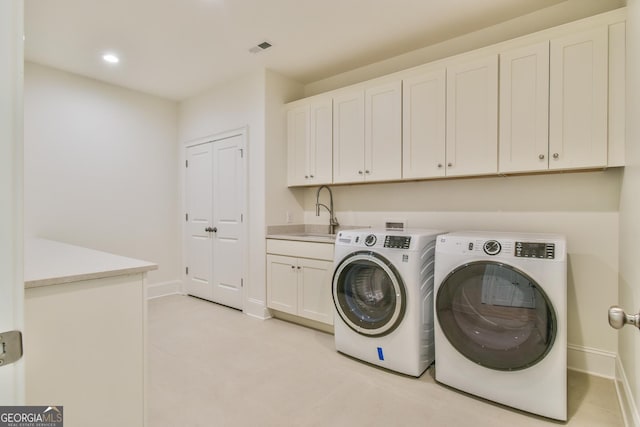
(305, 234)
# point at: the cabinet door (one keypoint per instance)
(348, 137)
(298, 136)
(423, 134)
(314, 294)
(524, 109)
(383, 132)
(472, 118)
(321, 142)
(578, 100)
(282, 283)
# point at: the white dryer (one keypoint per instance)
(500, 318)
(383, 297)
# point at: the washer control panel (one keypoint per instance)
(535, 250)
(492, 247)
(370, 240)
(397, 242)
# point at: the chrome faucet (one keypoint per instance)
(333, 221)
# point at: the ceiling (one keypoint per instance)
(178, 48)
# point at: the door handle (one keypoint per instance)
(10, 347)
(211, 230)
(618, 318)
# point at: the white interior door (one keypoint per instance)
(199, 192)
(228, 216)
(11, 280)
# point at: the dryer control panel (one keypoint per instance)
(535, 250)
(397, 242)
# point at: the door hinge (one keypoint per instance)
(242, 283)
(241, 153)
(186, 270)
(10, 347)
(186, 217)
(241, 218)
(186, 163)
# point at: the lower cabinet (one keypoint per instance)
(300, 286)
(86, 348)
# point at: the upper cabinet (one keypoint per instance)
(524, 109)
(553, 100)
(472, 117)
(578, 100)
(309, 142)
(423, 124)
(367, 134)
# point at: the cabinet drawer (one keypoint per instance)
(300, 249)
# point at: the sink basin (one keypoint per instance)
(324, 235)
(305, 235)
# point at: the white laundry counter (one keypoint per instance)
(85, 333)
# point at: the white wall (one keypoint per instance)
(233, 105)
(582, 206)
(100, 168)
(280, 200)
(629, 287)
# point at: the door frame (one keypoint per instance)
(12, 376)
(243, 132)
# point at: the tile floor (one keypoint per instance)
(213, 366)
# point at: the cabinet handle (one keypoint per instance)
(439, 165)
(310, 176)
(293, 267)
(306, 177)
(298, 267)
(556, 155)
(541, 156)
(359, 172)
(449, 164)
(367, 172)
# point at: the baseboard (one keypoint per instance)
(625, 397)
(256, 308)
(591, 361)
(157, 290)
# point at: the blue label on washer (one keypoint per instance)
(380, 354)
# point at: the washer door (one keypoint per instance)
(369, 294)
(496, 316)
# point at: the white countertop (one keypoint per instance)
(47, 262)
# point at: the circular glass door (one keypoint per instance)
(369, 294)
(496, 316)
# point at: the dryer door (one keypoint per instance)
(496, 315)
(369, 294)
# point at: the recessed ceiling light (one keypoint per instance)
(110, 58)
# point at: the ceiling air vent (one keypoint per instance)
(260, 47)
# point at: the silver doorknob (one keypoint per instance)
(618, 318)
(556, 155)
(541, 156)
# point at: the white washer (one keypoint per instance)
(383, 297)
(501, 320)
